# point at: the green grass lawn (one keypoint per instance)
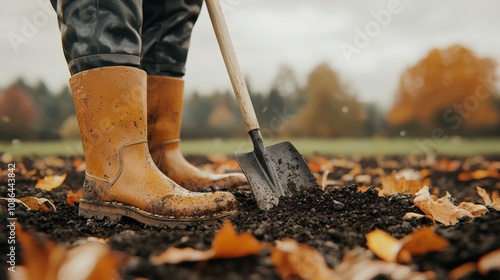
(376, 146)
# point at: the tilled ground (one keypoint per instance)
(333, 221)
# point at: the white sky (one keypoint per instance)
(268, 34)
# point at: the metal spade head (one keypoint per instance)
(278, 170)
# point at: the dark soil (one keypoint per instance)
(332, 221)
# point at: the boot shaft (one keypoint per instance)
(110, 104)
(165, 104)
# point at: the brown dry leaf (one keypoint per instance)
(441, 210)
(383, 245)
(356, 170)
(293, 260)
(493, 201)
(49, 183)
(411, 216)
(48, 260)
(227, 243)
(358, 263)
(489, 262)
(474, 209)
(37, 204)
(461, 271)
(392, 185)
(73, 198)
(423, 241)
(390, 249)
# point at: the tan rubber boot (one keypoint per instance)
(165, 95)
(121, 179)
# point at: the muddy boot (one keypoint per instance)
(121, 179)
(165, 96)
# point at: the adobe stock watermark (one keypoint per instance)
(31, 25)
(364, 35)
(454, 117)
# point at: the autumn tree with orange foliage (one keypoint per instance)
(330, 109)
(17, 114)
(449, 92)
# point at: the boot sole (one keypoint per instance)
(115, 211)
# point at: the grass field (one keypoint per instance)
(453, 146)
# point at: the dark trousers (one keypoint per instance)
(153, 35)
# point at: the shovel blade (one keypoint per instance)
(288, 165)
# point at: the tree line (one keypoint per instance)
(450, 92)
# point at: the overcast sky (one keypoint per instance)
(268, 34)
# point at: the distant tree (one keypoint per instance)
(451, 90)
(18, 112)
(330, 110)
(69, 129)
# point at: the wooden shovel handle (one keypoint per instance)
(232, 66)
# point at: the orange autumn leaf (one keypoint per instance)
(441, 210)
(299, 261)
(392, 185)
(383, 245)
(73, 198)
(48, 261)
(319, 164)
(227, 243)
(462, 271)
(478, 175)
(423, 241)
(49, 183)
(391, 249)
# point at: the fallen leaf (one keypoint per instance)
(411, 216)
(49, 183)
(441, 210)
(356, 170)
(227, 243)
(45, 257)
(73, 198)
(489, 262)
(92, 260)
(319, 164)
(293, 260)
(474, 209)
(462, 271)
(47, 260)
(358, 263)
(38, 204)
(363, 179)
(392, 185)
(383, 245)
(324, 179)
(423, 241)
(408, 174)
(492, 201)
(391, 249)
(34, 203)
